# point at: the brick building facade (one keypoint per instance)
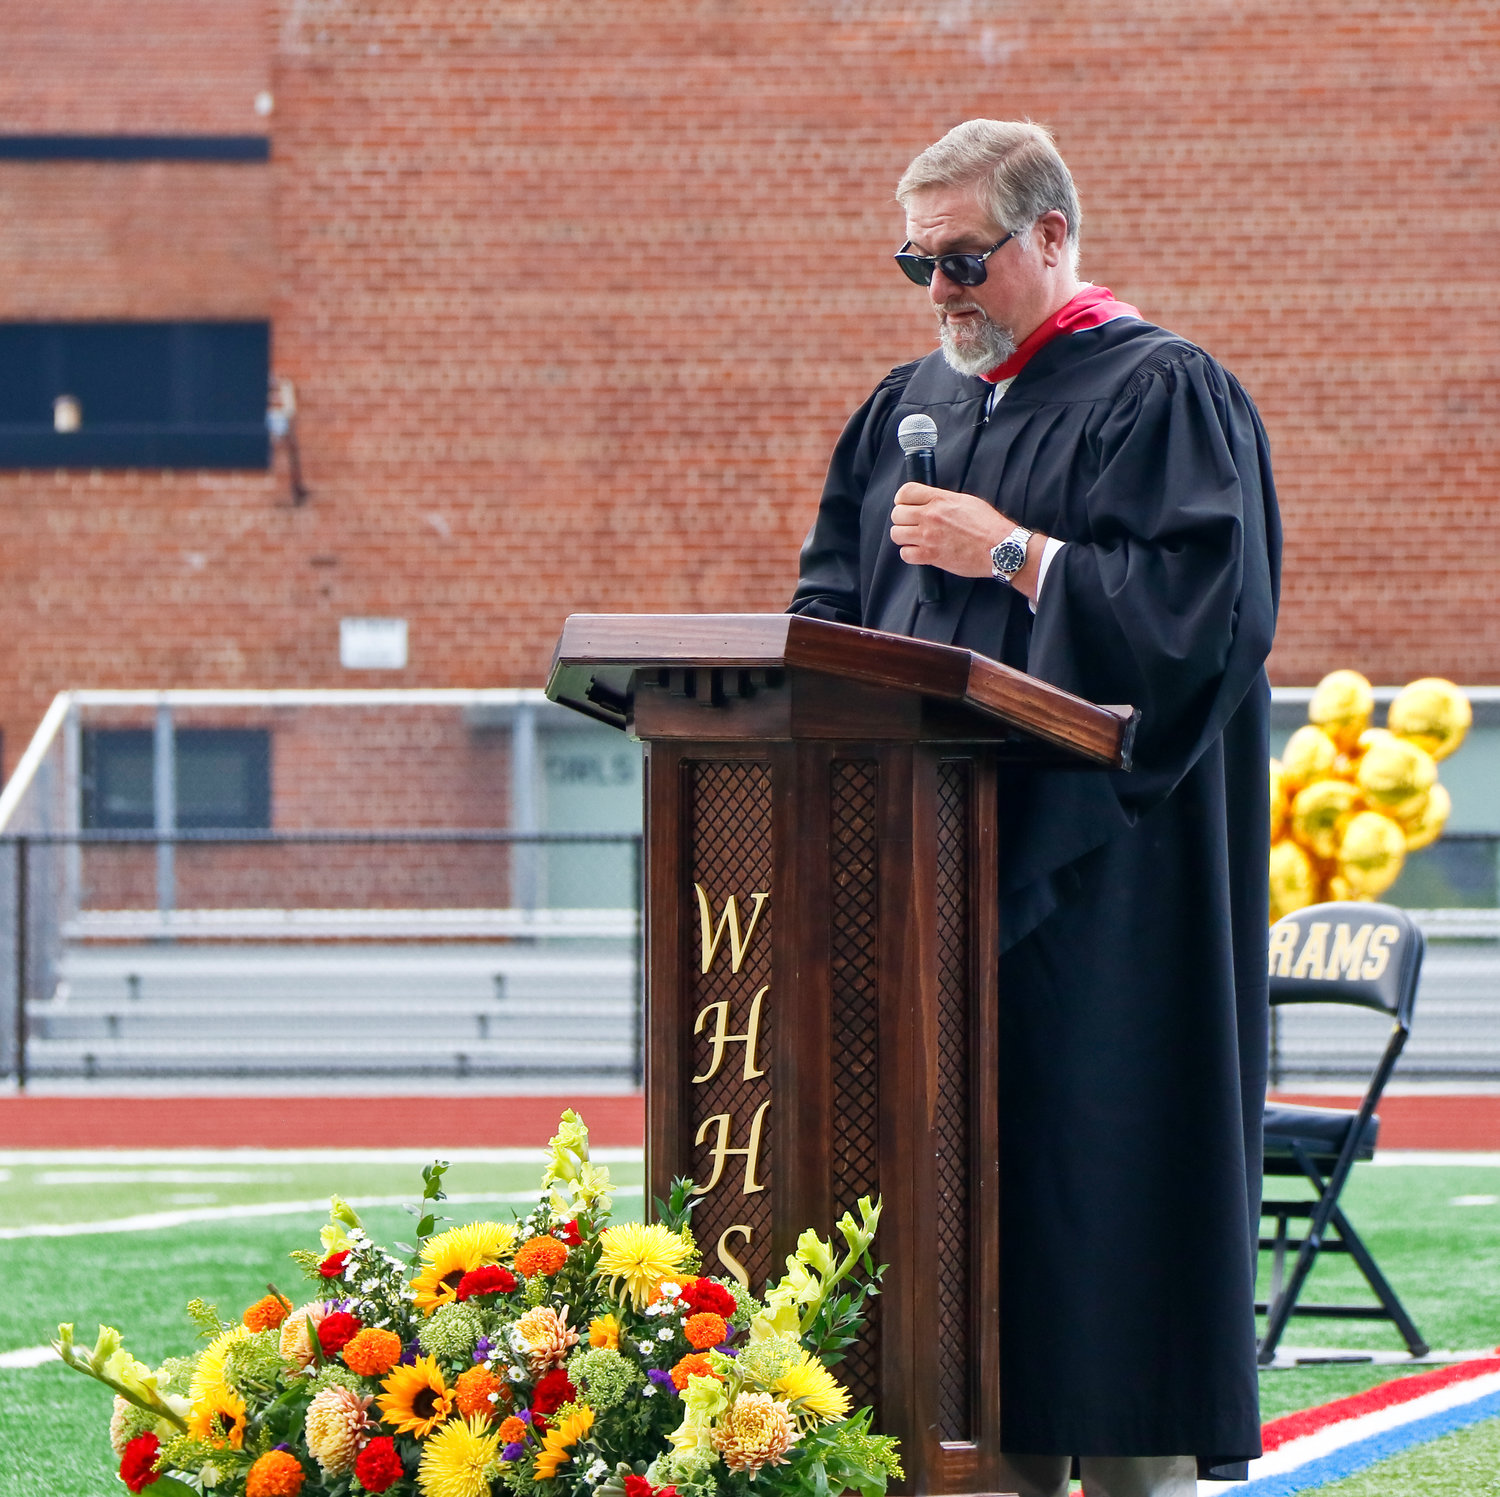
(575, 299)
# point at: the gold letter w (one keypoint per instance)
(739, 941)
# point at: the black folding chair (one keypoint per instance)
(1369, 955)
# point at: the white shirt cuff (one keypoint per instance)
(1049, 551)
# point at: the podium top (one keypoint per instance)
(595, 666)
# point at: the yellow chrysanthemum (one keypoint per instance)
(459, 1460)
(604, 1330)
(812, 1392)
(447, 1257)
(640, 1257)
(208, 1373)
(558, 1443)
(757, 1431)
(218, 1417)
(416, 1399)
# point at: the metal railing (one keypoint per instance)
(89, 911)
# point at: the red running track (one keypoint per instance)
(473, 1122)
(469, 1122)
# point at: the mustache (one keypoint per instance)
(961, 305)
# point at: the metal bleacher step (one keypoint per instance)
(238, 1009)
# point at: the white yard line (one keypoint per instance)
(27, 1356)
(154, 1221)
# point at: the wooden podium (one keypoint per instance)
(821, 956)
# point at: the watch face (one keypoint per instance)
(1008, 557)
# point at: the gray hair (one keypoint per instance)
(1013, 164)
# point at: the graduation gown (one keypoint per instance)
(1133, 1012)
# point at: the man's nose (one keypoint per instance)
(941, 289)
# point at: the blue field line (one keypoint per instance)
(1338, 1464)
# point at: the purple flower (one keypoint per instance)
(482, 1348)
(409, 1353)
(514, 1451)
(524, 1415)
(662, 1379)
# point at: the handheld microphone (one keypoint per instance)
(918, 435)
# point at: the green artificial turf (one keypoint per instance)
(1444, 1260)
(1467, 1463)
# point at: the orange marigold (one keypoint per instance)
(268, 1313)
(541, 1255)
(478, 1391)
(372, 1352)
(278, 1473)
(695, 1364)
(512, 1430)
(705, 1329)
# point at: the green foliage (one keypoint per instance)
(676, 1211)
(206, 1318)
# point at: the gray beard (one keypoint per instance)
(978, 353)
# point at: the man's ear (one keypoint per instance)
(1052, 234)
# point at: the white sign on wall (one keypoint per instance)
(372, 644)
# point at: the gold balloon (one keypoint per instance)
(1431, 713)
(1395, 776)
(1278, 801)
(1341, 705)
(1294, 881)
(1371, 854)
(1339, 888)
(1320, 813)
(1309, 755)
(1424, 830)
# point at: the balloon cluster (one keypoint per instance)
(1349, 801)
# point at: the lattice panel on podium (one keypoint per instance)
(953, 1130)
(729, 853)
(855, 1025)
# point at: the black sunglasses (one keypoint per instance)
(962, 270)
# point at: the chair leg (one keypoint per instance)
(1279, 1311)
(1378, 1282)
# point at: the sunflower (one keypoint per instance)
(208, 1373)
(456, 1460)
(639, 1255)
(812, 1392)
(447, 1257)
(416, 1399)
(218, 1417)
(557, 1445)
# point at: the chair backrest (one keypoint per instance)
(1344, 952)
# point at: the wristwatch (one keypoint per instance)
(1009, 556)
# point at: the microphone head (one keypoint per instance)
(916, 433)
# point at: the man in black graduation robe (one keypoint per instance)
(1134, 905)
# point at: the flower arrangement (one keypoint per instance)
(555, 1356)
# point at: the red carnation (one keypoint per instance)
(569, 1233)
(378, 1467)
(491, 1279)
(638, 1486)
(138, 1463)
(703, 1296)
(552, 1391)
(336, 1331)
(333, 1265)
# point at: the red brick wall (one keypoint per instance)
(577, 296)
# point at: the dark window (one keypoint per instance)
(223, 779)
(139, 394)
